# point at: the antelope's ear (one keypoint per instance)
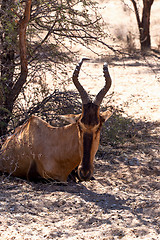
(71, 118)
(106, 115)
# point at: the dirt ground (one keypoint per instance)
(123, 200)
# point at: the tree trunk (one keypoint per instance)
(145, 38)
(144, 24)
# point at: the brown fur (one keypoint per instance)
(53, 150)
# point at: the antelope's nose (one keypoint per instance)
(84, 175)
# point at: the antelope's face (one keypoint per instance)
(89, 124)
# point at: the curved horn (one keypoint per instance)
(84, 95)
(105, 89)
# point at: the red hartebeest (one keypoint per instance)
(38, 149)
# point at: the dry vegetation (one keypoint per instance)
(123, 200)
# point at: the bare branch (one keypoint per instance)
(23, 52)
(137, 14)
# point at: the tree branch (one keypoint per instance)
(23, 22)
(137, 15)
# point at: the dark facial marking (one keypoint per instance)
(90, 114)
(87, 144)
(84, 169)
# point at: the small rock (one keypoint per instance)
(12, 209)
(133, 162)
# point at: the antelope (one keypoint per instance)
(39, 149)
